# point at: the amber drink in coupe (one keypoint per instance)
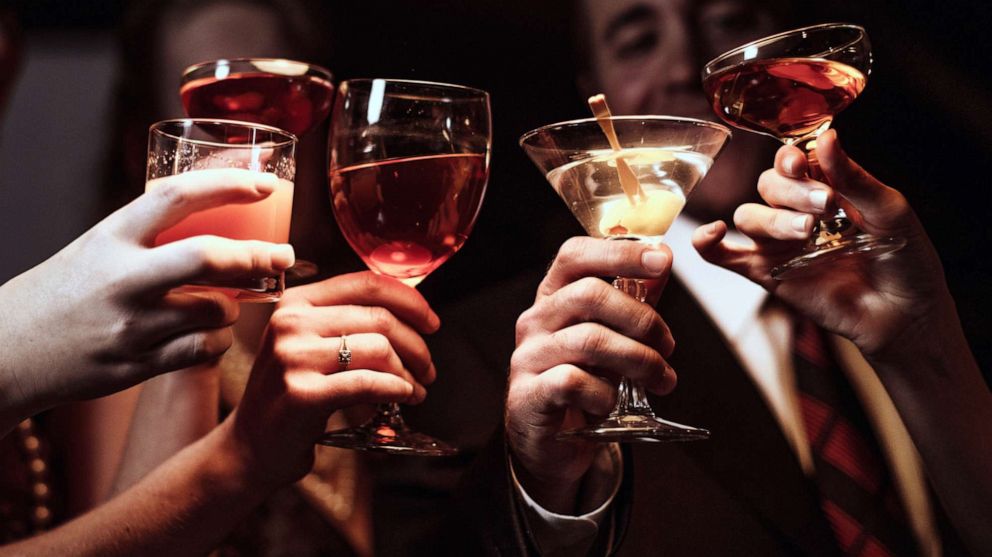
(627, 178)
(294, 96)
(408, 165)
(191, 146)
(405, 217)
(790, 86)
(784, 97)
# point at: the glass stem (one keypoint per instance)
(387, 421)
(829, 230)
(631, 398)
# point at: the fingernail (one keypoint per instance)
(818, 198)
(419, 394)
(794, 165)
(799, 223)
(713, 228)
(283, 256)
(654, 261)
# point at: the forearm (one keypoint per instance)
(185, 507)
(947, 407)
(174, 410)
(17, 401)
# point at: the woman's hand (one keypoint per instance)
(99, 316)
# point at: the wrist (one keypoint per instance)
(586, 483)
(18, 398)
(238, 460)
(559, 495)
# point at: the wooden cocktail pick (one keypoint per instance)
(628, 180)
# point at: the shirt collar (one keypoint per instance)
(732, 301)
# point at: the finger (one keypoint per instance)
(333, 321)
(746, 261)
(593, 300)
(171, 199)
(362, 386)
(212, 260)
(804, 195)
(791, 162)
(178, 313)
(370, 351)
(595, 347)
(369, 289)
(882, 209)
(187, 350)
(591, 257)
(567, 386)
(762, 223)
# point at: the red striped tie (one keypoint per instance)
(856, 491)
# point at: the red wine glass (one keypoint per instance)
(290, 95)
(790, 86)
(409, 162)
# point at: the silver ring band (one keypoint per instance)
(344, 353)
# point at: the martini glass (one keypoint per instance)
(287, 94)
(790, 86)
(669, 157)
(409, 162)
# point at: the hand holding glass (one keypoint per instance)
(192, 145)
(669, 157)
(409, 163)
(790, 86)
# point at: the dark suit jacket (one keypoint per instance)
(740, 493)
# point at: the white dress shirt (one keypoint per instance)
(760, 335)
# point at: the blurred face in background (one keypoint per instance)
(647, 55)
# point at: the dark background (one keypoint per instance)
(923, 125)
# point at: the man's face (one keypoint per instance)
(647, 55)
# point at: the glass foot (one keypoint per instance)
(635, 429)
(862, 245)
(386, 432)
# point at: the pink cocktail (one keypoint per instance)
(190, 146)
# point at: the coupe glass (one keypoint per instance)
(196, 145)
(790, 86)
(409, 162)
(669, 156)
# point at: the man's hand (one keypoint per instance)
(882, 304)
(573, 345)
(297, 382)
(99, 316)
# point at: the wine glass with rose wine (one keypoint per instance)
(790, 86)
(409, 162)
(627, 185)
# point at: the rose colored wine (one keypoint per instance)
(266, 220)
(783, 97)
(294, 103)
(405, 217)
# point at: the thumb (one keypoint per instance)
(170, 199)
(883, 210)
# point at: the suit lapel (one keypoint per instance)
(747, 454)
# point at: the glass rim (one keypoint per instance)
(157, 128)
(439, 84)
(674, 119)
(777, 36)
(326, 73)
